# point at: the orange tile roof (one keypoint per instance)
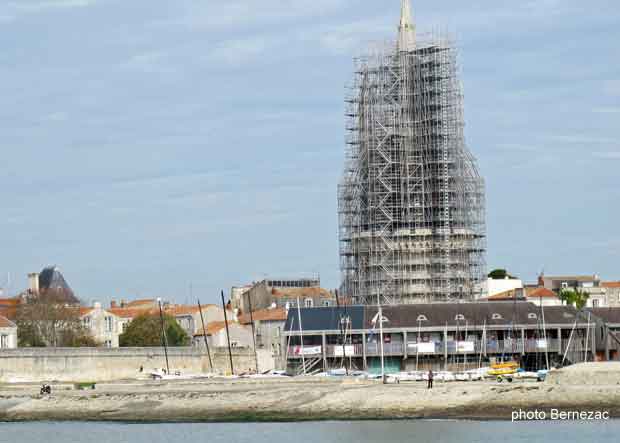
(136, 303)
(187, 309)
(570, 277)
(174, 310)
(610, 284)
(506, 295)
(10, 312)
(6, 323)
(85, 311)
(213, 328)
(540, 292)
(264, 315)
(131, 312)
(181, 310)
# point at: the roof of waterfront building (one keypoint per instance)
(435, 315)
(324, 318)
(608, 315)
(461, 314)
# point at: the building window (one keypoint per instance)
(595, 303)
(108, 324)
(108, 343)
(309, 303)
(4, 341)
(86, 322)
(326, 303)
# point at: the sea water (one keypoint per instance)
(410, 431)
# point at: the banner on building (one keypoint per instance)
(349, 351)
(307, 350)
(464, 346)
(422, 348)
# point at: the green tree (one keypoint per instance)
(145, 330)
(574, 297)
(499, 274)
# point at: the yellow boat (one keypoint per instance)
(504, 368)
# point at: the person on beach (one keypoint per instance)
(430, 379)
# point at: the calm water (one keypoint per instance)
(345, 432)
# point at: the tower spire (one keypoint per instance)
(406, 29)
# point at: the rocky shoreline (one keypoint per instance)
(288, 399)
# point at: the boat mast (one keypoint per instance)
(163, 336)
(417, 346)
(232, 369)
(204, 334)
(482, 342)
(380, 313)
(570, 338)
(253, 332)
(585, 354)
(301, 333)
(542, 311)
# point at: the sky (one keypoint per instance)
(173, 149)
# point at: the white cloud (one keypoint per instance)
(153, 61)
(239, 52)
(608, 155)
(612, 87)
(349, 37)
(236, 13)
(580, 139)
(34, 6)
(56, 117)
(607, 110)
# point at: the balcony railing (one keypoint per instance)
(493, 347)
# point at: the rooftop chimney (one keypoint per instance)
(113, 304)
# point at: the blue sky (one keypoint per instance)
(147, 145)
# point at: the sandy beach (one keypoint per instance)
(293, 399)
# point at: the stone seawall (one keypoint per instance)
(106, 364)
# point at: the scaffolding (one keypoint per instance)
(411, 202)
